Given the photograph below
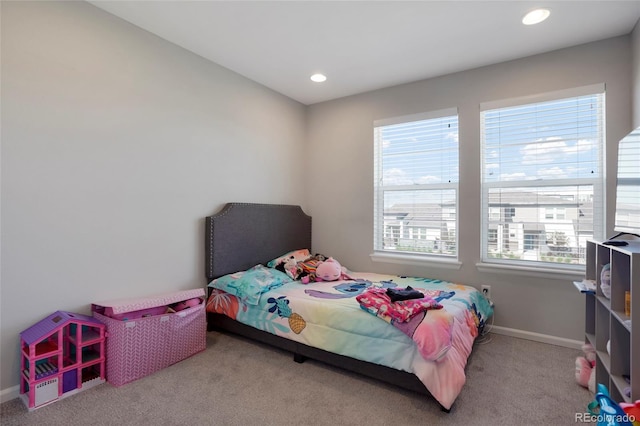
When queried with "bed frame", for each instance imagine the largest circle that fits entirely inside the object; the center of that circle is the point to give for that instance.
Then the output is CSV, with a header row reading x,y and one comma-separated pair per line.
x,y
243,235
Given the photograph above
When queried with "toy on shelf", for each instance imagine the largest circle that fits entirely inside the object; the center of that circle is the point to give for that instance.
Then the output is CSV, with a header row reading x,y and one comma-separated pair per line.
x,y
60,355
585,371
605,281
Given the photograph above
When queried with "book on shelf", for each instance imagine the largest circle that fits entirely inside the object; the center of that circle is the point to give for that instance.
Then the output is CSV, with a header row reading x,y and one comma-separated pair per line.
x,y
586,286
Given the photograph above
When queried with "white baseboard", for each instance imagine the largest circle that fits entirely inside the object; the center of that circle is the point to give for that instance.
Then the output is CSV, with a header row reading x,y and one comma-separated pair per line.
x,y
9,394
537,337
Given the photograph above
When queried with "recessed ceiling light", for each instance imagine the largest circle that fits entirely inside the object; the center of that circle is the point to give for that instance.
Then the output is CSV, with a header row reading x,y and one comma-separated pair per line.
x,y
536,16
318,78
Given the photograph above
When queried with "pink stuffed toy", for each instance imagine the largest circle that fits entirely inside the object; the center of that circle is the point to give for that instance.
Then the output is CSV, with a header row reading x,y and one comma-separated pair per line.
x,y
329,270
185,304
585,371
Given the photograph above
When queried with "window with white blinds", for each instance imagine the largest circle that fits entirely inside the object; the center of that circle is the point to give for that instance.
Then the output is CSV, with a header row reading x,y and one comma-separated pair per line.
x,y
416,184
542,177
627,219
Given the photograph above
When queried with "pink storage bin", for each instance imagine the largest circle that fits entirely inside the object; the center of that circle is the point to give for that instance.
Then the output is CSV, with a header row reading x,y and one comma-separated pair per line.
x,y
138,347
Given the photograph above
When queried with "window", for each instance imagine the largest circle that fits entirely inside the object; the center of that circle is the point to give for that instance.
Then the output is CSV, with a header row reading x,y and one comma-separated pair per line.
x,y
530,240
542,170
416,184
627,218
554,213
419,233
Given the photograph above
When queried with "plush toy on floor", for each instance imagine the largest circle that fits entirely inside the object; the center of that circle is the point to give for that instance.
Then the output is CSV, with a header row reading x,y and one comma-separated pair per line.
x,y
585,368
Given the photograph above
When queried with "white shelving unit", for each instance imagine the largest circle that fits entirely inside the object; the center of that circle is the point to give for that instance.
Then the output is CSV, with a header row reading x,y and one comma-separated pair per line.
x,y
606,319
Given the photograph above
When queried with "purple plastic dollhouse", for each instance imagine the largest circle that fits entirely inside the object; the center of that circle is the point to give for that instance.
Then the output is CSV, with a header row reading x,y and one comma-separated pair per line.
x,y
61,355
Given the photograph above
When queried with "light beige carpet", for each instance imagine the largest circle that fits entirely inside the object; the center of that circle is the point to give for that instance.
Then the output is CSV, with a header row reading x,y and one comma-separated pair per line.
x,y
239,382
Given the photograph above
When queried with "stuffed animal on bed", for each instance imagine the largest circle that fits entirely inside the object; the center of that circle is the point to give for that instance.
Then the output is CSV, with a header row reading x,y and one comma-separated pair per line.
x,y
585,371
329,270
289,266
308,268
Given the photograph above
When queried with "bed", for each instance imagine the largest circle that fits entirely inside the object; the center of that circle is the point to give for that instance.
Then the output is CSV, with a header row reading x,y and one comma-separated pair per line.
x,y
423,347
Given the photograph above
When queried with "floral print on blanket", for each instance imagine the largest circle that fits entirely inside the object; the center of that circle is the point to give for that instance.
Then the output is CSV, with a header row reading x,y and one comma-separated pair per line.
x,y
223,303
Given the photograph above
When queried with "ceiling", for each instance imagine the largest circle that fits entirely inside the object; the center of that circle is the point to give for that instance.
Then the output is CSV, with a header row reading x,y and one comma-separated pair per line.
x,y
367,45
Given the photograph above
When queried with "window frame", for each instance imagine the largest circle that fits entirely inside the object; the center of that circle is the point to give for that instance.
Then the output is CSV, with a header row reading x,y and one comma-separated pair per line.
x,y
379,231
597,183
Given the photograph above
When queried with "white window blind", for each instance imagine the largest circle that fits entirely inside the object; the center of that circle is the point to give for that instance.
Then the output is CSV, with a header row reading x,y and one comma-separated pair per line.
x,y
542,178
627,217
416,184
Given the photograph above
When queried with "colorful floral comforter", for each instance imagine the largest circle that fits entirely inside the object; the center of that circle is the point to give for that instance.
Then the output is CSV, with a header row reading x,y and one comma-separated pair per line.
x,y
434,345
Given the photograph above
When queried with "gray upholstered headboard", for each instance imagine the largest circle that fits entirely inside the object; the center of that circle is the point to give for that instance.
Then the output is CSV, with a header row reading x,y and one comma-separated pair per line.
x,y
243,235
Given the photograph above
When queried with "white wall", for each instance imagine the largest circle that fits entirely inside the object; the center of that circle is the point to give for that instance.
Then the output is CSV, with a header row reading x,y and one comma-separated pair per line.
x,y
340,138
115,146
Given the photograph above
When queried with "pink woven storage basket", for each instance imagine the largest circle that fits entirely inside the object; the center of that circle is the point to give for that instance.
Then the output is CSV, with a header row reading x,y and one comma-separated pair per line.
x,y
137,348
